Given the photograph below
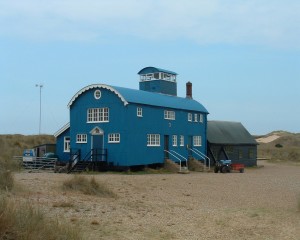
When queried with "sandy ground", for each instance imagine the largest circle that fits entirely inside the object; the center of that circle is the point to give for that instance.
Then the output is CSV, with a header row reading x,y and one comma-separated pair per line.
x,y
261,203
267,139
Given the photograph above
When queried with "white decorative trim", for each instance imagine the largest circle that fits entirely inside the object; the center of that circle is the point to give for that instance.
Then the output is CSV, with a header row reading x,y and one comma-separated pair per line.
x,y
60,131
96,131
97,86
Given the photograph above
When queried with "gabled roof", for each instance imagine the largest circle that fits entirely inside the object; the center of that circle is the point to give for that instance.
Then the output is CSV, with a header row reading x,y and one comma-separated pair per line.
x,y
97,86
155,70
230,133
62,130
128,95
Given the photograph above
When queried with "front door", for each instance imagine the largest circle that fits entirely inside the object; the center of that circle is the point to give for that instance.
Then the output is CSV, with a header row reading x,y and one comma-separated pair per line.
x,y
190,145
97,147
166,146
97,144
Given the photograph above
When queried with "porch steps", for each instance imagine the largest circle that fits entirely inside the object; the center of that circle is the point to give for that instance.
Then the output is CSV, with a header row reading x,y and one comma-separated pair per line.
x,y
197,166
79,167
172,166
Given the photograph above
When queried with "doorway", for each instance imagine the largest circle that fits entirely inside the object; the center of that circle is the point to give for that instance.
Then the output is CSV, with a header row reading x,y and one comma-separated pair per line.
x,y
97,144
166,146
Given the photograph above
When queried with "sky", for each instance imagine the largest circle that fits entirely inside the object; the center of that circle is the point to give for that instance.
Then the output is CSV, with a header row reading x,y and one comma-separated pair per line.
x,y
242,56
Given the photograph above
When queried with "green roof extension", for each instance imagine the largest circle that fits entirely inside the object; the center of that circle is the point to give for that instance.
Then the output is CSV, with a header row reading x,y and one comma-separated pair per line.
x,y
228,133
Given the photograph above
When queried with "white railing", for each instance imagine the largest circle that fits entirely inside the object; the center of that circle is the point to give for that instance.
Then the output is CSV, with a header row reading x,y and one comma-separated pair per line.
x,y
176,158
186,161
202,155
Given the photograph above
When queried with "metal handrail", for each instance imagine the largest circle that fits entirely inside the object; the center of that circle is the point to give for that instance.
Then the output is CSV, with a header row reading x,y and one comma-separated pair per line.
x,y
181,157
176,158
201,155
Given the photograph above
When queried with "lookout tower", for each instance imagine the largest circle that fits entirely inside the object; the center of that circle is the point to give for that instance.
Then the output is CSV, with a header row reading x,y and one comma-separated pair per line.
x,y
158,80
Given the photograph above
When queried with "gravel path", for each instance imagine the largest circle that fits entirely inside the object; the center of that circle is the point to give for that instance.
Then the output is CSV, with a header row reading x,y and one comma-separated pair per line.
x,y
261,203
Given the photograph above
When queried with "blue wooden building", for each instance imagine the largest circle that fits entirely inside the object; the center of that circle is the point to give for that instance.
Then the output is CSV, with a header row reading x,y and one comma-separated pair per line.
x,y
121,127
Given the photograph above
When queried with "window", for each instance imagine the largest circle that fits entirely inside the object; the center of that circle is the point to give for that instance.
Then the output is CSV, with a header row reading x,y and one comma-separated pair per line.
x,y
196,117
190,117
229,149
181,140
197,141
67,144
174,140
114,137
153,140
240,154
251,153
201,118
97,115
97,94
81,138
139,111
169,115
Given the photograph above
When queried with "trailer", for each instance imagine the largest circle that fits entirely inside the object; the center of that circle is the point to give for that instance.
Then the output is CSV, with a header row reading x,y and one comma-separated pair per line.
x,y
237,167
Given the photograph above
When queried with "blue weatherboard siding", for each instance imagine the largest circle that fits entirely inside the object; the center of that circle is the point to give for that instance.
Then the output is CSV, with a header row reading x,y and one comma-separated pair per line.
x,y
122,103
62,155
160,86
133,149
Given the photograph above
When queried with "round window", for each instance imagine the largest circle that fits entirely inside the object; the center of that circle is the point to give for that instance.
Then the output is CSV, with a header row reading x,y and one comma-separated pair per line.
x,y
97,94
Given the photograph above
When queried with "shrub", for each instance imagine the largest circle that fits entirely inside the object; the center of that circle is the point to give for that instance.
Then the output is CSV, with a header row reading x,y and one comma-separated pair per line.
x,y
89,187
6,180
278,145
23,221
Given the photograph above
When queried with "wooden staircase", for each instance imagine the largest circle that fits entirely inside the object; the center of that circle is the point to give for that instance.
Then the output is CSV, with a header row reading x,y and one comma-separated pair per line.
x,y
79,166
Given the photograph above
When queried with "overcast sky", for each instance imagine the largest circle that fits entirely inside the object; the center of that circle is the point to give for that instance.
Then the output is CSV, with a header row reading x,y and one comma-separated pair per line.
x,y
242,56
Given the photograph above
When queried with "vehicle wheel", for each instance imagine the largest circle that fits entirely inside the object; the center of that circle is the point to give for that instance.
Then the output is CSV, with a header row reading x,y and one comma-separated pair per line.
x,y
224,169
216,170
242,170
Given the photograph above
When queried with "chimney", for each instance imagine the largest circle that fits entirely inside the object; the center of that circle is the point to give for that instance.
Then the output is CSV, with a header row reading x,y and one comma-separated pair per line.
x,y
189,90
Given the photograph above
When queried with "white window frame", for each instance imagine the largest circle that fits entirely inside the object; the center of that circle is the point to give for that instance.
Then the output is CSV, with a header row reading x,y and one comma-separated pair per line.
x,y
81,138
174,140
169,115
181,140
67,141
195,117
139,112
95,115
197,141
97,94
201,117
153,140
190,117
114,138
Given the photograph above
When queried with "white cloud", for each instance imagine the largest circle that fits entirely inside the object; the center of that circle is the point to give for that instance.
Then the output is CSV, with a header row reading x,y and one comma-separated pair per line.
x,y
261,22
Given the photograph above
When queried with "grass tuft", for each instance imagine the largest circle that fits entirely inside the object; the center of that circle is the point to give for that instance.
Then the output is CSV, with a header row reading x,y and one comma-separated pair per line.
x,y
6,180
63,205
298,202
88,187
23,221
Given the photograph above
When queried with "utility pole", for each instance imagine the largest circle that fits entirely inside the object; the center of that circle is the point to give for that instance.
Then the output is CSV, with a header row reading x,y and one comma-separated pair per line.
x,y
40,122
